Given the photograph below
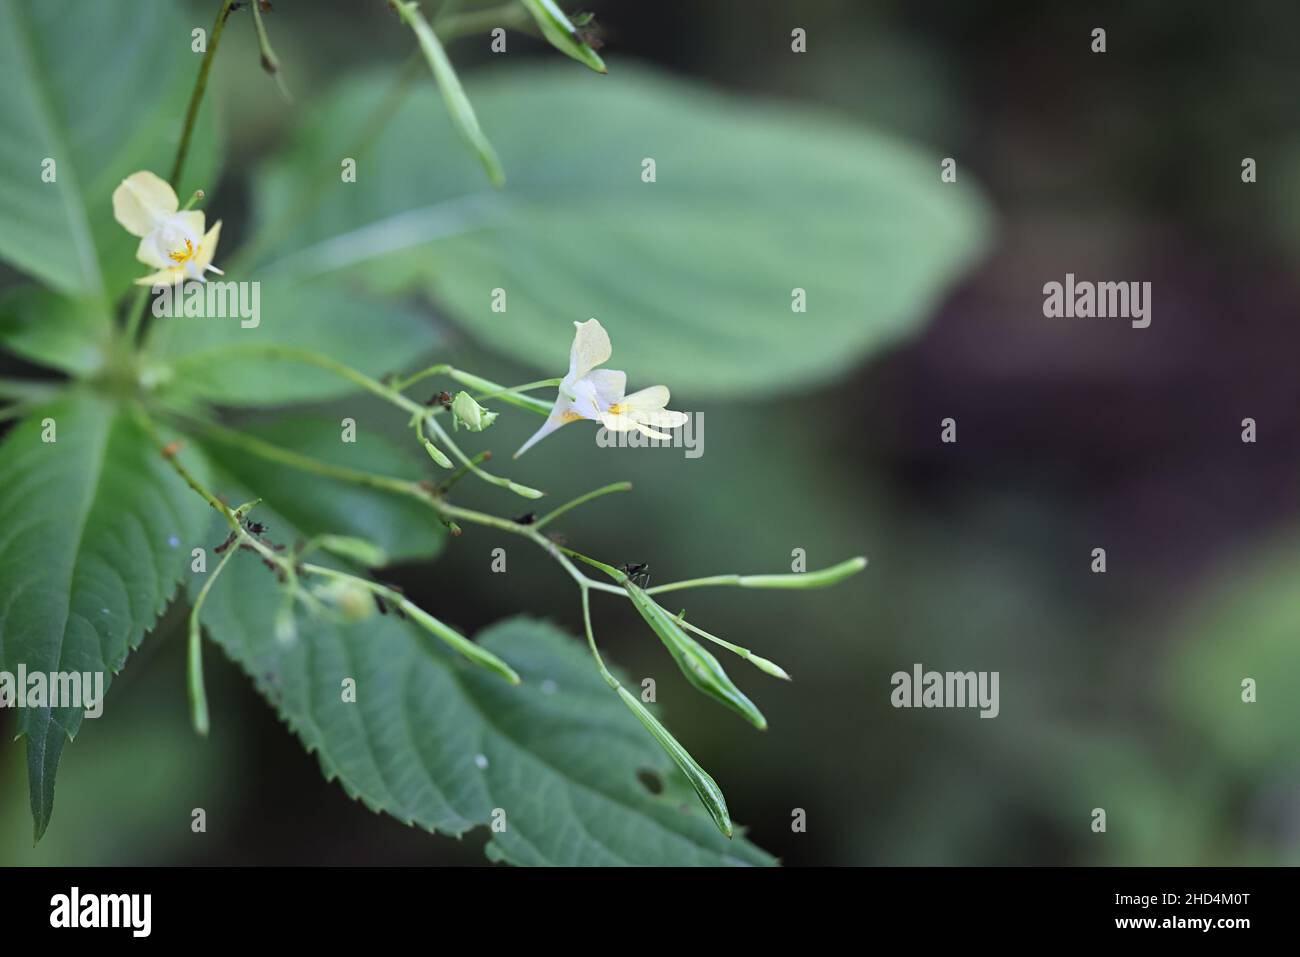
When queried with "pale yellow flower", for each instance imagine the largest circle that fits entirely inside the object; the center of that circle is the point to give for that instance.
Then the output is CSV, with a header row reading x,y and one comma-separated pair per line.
x,y
172,240
598,394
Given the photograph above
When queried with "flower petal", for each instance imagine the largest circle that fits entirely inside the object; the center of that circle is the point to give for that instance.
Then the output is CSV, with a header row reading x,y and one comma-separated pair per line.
x,y
655,397
616,422
164,277
208,248
610,384
590,348
153,249
192,269
562,413
652,433
142,200
663,418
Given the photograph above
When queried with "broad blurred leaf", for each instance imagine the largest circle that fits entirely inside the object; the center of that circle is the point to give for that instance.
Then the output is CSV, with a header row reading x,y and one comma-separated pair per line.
x,y
402,527
375,337
101,89
436,742
692,274
1246,628
51,329
96,532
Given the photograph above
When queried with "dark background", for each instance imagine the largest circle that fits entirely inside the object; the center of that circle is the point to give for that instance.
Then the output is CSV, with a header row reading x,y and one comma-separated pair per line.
x,y
1118,691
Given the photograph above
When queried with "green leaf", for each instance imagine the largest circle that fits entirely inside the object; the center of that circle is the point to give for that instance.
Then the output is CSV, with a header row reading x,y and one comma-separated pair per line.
x,y
201,357
316,505
53,330
436,742
99,89
692,274
96,532
1245,627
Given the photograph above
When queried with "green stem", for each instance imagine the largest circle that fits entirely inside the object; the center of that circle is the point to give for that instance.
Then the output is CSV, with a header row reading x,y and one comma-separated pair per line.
x,y
758,661
452,638
497,480
611,571
270,62
135,314
480,21
581,500
322,361
305,463
461,472
487,388
591,641
194,662
200,85
461,644
820,578
449,86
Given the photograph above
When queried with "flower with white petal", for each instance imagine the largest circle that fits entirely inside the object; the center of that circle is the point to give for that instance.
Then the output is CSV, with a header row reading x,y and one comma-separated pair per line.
x,y
641,410
172,239
598,394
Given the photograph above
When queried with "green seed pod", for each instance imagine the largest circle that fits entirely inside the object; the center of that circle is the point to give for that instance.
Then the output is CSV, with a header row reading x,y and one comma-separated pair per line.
x,y
818,579
698,665
562,35
475,653
453,94
704,785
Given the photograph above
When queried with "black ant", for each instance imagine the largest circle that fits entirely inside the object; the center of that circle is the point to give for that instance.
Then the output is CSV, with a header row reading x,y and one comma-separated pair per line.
x,y
587,30
526,519
440,398
383,605
638,573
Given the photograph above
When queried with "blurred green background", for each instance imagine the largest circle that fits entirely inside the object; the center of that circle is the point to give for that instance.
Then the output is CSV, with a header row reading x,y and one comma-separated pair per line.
x,y
1119,691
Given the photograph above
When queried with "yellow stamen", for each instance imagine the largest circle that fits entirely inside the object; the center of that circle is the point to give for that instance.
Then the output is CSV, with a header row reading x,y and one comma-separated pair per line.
x,y
570,416
615,409
181,258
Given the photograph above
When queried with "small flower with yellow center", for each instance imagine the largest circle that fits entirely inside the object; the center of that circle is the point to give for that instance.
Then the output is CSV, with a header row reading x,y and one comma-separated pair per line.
x,y
588,392
172,239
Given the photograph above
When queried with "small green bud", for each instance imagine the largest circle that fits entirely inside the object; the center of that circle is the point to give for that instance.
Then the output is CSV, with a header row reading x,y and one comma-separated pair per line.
x,y
436,454
470,414
350,600
286,629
